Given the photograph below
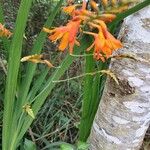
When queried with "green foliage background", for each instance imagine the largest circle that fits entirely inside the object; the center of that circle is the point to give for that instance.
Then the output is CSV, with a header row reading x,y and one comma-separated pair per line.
x,y
59,117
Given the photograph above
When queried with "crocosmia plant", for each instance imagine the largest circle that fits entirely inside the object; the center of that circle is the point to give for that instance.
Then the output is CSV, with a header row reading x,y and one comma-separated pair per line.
x,y
88,34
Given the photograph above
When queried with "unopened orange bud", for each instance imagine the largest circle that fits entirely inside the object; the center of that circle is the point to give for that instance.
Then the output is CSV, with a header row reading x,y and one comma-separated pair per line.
x,y
113,2
88,13
4,32
120,9
94,5
105,2
70,2
127,1
69,9
107,17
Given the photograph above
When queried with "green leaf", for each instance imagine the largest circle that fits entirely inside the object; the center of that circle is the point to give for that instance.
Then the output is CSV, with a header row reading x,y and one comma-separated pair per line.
x,y
87,95
23,96
29,145
37,85
37,48
66,147
13,69
82,146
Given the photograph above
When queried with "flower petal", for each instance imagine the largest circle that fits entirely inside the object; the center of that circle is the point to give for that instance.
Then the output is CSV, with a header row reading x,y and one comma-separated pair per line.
x,y
4,32
69,9
55,36
64,42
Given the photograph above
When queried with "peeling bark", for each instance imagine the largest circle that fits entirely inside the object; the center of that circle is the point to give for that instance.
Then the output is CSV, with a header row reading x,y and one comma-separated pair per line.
x,y
124,112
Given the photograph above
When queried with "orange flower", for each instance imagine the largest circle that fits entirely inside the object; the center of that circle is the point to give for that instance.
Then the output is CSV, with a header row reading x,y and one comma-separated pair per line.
x,y
98,45
104,43
4,32
70,9
80,11
111,41
67,34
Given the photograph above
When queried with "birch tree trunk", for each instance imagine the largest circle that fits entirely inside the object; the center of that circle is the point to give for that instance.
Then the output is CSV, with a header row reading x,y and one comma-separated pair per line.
x,y
124,112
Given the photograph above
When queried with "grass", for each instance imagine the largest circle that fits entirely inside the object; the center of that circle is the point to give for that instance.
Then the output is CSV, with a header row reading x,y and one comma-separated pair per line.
x,y
58,118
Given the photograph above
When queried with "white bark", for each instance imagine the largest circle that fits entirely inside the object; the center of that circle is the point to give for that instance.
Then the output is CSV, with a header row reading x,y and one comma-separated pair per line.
x,y
124,112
